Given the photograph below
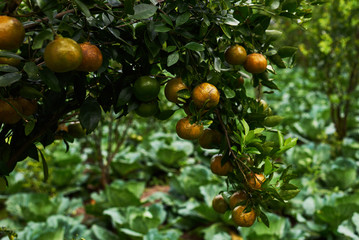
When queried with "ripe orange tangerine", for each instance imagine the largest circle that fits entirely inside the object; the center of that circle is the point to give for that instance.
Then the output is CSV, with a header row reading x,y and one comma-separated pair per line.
x,y
10,61
217,167
205,95
8,114
12,33
236,198
172,87
219,204
255,180
29,107
187,130
91,58
243,219
63,55
255,63
235,55
210,139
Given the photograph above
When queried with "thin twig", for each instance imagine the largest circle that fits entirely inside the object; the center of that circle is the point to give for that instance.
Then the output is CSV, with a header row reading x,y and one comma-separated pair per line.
x,y
230,145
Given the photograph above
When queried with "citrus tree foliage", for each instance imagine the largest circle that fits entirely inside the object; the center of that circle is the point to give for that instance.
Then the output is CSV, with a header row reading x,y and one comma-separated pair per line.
x,y
330,43
160,39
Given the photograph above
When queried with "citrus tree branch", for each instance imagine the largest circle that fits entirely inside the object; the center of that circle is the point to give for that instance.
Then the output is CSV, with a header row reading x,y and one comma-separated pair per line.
x,y
230,145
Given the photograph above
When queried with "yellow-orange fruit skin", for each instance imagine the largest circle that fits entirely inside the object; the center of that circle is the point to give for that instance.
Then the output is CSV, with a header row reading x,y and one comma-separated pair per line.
x,y
243,219
63,55
29,107
210,139
255,181
188,131
12,33
10,61
217,168
172,87
205,94
91,58
219,204
235,55
8,114
255,63
236,198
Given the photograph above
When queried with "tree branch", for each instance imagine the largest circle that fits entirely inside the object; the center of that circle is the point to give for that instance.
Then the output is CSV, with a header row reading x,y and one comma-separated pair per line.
x,y
230,146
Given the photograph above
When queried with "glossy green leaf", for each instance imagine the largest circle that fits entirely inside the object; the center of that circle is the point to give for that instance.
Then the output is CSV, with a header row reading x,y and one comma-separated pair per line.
x,y
267,167
9,78
194,46
230,93
7,68
31,69
172,59
144,11
50,79
182,19
90,114
41,37
83,8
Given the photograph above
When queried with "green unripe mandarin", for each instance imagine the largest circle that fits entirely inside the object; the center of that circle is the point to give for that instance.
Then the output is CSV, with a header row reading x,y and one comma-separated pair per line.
x,y
146,88
147,109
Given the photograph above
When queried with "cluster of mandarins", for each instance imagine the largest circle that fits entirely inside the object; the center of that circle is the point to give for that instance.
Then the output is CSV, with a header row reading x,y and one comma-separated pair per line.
x,y
242,214
12,109
206,96
61,55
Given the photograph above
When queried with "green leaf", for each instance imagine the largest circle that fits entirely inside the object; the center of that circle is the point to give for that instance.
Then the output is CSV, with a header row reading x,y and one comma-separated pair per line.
x,y
29,126
9,78
90,114
277,60
252,150
50,79
273,35
226,31
103,233
194,46
267,167
288,186
164,115
182,19
241,13
269,84
246,126
288,194
83,8
45,168
31,69
144,11
230,93
124,96
10,55
8,68
231,21
172,59
41,37
167,19
280,139
287,51
162,28
129,4
263,217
